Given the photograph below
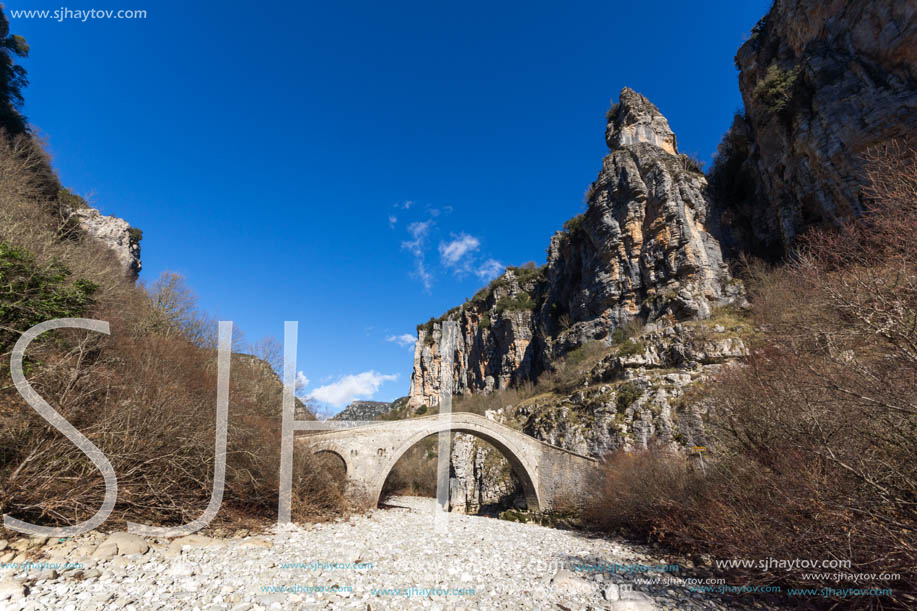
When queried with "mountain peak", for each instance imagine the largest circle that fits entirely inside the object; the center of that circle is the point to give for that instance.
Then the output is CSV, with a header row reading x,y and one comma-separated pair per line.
x,y
635,119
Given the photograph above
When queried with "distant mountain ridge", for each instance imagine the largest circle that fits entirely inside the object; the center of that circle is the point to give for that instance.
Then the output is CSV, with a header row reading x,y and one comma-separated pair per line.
x,y
370,410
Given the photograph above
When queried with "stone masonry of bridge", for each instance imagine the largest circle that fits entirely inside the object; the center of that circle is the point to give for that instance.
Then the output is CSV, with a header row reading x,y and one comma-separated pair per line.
x,y
552,478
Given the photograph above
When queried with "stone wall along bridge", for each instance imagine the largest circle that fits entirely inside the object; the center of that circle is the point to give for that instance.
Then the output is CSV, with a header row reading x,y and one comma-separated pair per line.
x,y
551,477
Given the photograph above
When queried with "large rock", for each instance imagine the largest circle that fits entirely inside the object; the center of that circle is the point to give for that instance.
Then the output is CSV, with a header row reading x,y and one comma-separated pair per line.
x,y
121,544
492,351
821,81
567,582
634,119
636,396
116,234
177,545
643,250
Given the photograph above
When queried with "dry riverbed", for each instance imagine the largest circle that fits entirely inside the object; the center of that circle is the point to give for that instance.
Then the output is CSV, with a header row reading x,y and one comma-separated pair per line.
x,y
389,558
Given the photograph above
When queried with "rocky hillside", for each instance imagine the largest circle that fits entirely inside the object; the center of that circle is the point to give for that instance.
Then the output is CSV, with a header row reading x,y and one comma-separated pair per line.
x,y
643,251
821,81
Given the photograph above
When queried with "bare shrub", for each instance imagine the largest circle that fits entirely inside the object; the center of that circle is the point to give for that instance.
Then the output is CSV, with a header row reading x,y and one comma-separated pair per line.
x,y
814,436
145,395
149,403
415,472
34,218
318,487
636,481
690,163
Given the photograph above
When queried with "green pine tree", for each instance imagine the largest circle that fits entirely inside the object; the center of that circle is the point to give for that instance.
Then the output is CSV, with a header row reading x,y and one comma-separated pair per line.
x,y
12,78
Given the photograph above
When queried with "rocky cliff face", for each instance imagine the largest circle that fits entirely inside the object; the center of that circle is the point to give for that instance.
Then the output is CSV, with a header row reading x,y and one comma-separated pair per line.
x,y
116,234
822,81
480,478
642,251
637,395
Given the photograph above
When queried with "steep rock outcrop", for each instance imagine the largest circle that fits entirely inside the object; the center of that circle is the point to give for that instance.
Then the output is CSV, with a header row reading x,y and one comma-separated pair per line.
x,y
642,250
480,478
494,344
821,81
116,234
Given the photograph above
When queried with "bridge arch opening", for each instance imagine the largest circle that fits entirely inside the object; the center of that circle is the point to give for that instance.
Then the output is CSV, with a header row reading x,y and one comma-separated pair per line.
x,y
424,443
331,460
414,473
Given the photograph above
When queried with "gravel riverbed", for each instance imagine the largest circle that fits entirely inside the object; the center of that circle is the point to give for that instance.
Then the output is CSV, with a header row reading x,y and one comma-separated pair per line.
x,y
387,559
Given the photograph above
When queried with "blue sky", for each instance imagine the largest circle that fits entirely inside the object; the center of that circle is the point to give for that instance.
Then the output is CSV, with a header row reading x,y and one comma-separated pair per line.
x,y
361,166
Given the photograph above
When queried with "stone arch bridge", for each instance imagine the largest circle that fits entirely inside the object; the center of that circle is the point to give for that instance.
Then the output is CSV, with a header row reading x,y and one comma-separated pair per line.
x,y
551,477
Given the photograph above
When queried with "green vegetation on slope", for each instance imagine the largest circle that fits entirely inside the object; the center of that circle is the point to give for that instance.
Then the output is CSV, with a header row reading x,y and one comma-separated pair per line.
x,y
775,91
30,294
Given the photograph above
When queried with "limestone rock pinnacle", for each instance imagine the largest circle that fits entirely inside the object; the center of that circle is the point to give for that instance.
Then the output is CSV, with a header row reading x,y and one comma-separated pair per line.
x,y
635,119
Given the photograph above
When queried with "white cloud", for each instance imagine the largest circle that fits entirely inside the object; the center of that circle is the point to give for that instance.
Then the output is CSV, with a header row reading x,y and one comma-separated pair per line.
x,y
453,252
350,387
406,340
392,219
301,380
419,231
407,205
490,269
300,383
423,275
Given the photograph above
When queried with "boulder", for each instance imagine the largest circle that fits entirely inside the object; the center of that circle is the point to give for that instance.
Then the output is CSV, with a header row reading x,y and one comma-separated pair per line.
x,y
121,544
